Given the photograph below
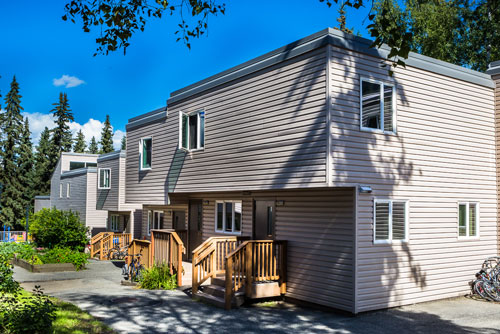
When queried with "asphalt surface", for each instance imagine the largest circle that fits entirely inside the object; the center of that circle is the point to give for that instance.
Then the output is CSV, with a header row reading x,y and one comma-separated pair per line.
x,y
128,310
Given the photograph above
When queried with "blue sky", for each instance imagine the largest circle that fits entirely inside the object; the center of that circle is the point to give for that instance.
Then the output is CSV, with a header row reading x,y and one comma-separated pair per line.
x,y
39,48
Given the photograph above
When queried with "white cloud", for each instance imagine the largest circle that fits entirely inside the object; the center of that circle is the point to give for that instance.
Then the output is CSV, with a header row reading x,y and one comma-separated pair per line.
x,y
67,81
92,128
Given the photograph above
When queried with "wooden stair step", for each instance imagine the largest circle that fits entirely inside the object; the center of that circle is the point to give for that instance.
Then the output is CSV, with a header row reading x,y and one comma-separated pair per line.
x,y
237,301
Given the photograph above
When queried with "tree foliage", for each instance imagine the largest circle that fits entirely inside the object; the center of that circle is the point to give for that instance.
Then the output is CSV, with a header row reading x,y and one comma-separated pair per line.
x,y
124,143
107,137
117,21
80,144
43,172
93,148
62,138
52,227
11,125
26,170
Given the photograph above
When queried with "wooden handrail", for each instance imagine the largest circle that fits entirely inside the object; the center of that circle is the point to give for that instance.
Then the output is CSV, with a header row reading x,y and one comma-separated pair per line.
x,y
255,261
167,247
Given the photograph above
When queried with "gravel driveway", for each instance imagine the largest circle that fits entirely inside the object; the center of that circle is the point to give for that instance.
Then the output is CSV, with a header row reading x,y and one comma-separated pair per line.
x,y
98,291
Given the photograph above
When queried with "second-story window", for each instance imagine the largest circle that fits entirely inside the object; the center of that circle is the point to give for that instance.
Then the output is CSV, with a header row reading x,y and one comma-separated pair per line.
x,y
192,130
377,106
68,190
104,178
60,190
146,153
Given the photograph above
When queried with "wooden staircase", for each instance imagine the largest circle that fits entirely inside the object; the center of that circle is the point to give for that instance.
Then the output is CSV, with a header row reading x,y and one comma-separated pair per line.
x,y
101,243
238,270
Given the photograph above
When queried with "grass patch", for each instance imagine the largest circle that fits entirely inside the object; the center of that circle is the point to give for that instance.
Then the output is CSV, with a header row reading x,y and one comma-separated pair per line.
x,y
70,319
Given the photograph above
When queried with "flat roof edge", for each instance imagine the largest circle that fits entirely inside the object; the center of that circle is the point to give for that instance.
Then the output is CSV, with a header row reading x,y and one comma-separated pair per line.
x,y
333,37
149,117
79,171
112,155
494,68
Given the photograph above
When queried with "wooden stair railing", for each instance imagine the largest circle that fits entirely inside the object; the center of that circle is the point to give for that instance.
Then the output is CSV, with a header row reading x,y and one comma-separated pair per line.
x,y
255,261
209,259
101,243
167,247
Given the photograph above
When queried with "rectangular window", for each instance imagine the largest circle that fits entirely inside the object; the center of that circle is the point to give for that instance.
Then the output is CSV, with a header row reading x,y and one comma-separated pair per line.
x,y
104,178
192,130
145,153
468,219
68,190
60,190
115,223
77,165
377,106
390,221
228,217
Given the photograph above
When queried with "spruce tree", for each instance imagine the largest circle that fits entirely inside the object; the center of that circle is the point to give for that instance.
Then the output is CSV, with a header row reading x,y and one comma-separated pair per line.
x,y
80,144
11,125
124,143
43,173
107,137
93,148
25,166
61,135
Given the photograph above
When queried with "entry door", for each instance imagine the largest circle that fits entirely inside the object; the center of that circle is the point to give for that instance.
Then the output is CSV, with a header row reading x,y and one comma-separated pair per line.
x,y
179,220
264,220
195,225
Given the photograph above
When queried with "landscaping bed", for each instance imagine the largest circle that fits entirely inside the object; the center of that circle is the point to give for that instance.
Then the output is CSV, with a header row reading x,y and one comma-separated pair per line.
x,y
43,268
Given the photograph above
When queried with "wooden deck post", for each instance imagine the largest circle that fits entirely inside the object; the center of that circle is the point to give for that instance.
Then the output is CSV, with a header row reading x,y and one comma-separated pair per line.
x,y
179,261
283,267
229,283
194,288
101,256
248,269
170,253
152,250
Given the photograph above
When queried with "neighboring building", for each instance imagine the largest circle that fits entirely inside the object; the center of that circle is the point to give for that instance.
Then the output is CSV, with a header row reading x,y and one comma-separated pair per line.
x,y
73,187
42,202
384,186
111,194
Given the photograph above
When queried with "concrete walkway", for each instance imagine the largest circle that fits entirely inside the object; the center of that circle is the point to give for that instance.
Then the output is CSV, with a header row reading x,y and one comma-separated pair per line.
x,y
98,291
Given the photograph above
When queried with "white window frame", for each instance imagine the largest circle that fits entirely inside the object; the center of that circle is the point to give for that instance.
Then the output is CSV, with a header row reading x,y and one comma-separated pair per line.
x,y
68,190
232,232
467,205
60,190
394,104
407,225
117,222
198,135
99,178
141,141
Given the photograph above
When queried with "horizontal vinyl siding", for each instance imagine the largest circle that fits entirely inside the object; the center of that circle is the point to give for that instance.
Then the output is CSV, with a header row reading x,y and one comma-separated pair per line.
x,y
78,194
318,225
94,218
443,152
267,130
497,127
167,218
108,199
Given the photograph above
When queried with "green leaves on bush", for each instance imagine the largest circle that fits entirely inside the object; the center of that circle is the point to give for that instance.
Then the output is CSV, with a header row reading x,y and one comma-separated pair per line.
x,y
7,283
65,255
52,227
22,312
158,277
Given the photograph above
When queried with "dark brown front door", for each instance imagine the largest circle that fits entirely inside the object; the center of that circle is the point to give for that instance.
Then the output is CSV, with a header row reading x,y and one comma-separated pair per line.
x,y
179,220
264,220
195,225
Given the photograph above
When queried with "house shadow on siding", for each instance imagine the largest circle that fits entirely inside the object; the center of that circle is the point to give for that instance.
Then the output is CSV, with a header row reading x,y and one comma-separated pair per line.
x,y
358,157
102,195
174,171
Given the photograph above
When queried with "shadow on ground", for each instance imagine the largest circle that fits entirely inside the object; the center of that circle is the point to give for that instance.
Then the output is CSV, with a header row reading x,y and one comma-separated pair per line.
x,y
174,312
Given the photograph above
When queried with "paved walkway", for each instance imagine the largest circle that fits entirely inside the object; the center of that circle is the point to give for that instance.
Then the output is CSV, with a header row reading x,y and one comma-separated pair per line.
x,y
98,291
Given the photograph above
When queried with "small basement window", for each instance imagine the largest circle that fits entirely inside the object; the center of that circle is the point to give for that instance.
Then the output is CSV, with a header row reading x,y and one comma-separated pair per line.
x,y
145,153
104,178
192,130
228,217
378,107
468,214
390,221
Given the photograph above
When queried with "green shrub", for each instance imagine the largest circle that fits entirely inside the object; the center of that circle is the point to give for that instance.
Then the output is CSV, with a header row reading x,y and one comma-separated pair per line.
x,y
65,255
158,277
52,227
23,312
7,283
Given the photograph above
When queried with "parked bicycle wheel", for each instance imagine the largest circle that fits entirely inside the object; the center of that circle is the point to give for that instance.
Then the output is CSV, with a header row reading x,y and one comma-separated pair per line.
x,y
125,270
478,288
492,291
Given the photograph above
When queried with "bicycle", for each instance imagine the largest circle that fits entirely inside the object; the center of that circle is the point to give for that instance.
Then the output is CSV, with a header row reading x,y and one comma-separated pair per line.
x,y
133,271
117,252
